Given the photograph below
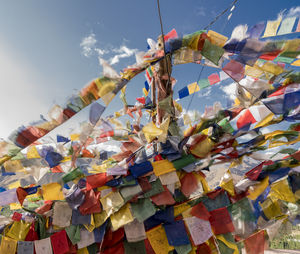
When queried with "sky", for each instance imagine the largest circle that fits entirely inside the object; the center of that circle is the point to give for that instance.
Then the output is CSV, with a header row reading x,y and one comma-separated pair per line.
x,y
49,50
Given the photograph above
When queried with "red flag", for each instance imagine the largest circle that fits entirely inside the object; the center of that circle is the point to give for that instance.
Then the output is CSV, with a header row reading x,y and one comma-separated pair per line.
x,y
200,212
255,244
213,78
163,198
220,221
189,184
97,180
59,242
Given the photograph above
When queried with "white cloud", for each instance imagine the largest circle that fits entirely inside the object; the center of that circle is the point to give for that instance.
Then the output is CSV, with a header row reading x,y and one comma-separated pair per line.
x,y
122,52
88,45
230,90
294,11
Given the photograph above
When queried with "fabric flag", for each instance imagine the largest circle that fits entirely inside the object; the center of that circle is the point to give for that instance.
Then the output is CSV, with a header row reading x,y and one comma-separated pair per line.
x,y
256,30
149,77
43,246
59,242
121,217
135,247
25,247
202,83
96,111
62,214
162,167
235,70
249,116
142,209
212,52
73,233
255,244
271,28
287,25
163,198
200,212
75,197
60,138
52,191
99,232
200,229
220,221
189,184
281,190
213,78
8,245
216,38
7,197
135,231
112,201
158,240
53,159
170,35
176,233
97,180
226,244
78,218
19,230
86,238
32,153
91,203
250,52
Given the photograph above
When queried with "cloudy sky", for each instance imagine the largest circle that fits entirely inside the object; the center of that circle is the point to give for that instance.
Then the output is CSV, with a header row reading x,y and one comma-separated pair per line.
x,y
50,49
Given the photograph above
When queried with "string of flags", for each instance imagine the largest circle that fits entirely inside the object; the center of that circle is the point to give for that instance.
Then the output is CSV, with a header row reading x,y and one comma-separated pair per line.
x,y
184,185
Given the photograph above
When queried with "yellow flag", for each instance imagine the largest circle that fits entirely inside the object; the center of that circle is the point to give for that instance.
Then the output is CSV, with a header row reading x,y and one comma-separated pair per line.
x,y
100,218
32,153
202,148
193,88
112,202
179,209
227,183
83,251
281,190
204,183
162,167
15,206
272,68
258,189
74,137
272,27
52,191
158,240
216,38
19,230
296,63
151,131
271,208
164,126
121,218
8,245
265,121
253,71
13,166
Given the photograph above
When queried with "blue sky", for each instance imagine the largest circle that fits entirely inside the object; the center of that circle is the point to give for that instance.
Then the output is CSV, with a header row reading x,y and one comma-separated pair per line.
x,y
45,56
